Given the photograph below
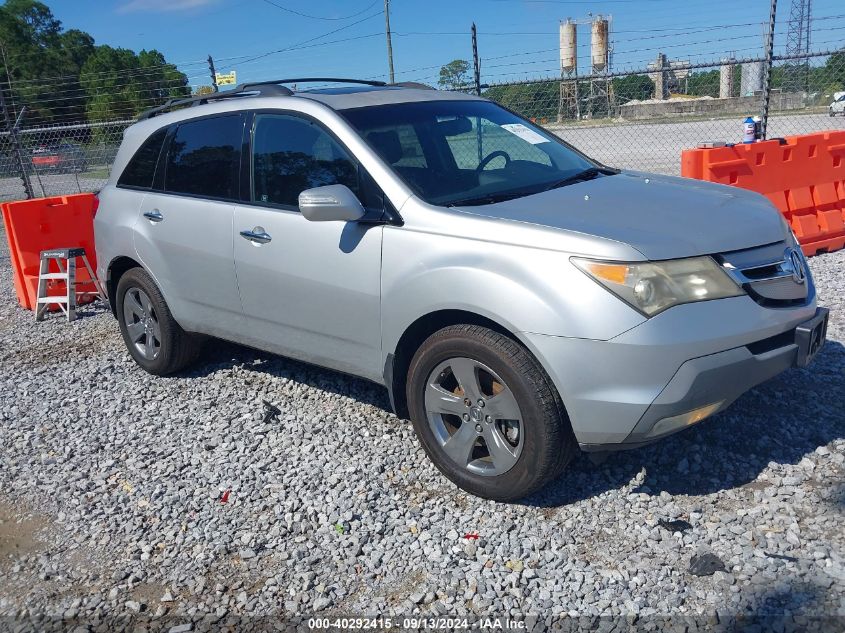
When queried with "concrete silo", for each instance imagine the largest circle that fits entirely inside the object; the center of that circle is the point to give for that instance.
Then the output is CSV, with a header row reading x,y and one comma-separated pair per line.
x,y
751,80
568,48
601,96
568,107
726,78
599,44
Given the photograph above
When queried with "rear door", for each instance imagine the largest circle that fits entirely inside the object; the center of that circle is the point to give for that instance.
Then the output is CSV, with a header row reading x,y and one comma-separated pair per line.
x,y
184,231
309,289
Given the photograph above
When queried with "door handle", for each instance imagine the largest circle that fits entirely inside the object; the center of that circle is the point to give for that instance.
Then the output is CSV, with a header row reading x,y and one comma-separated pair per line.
x,y
154,215
257,235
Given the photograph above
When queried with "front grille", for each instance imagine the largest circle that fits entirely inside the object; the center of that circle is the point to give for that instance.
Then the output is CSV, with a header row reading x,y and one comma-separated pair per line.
x,y
766,274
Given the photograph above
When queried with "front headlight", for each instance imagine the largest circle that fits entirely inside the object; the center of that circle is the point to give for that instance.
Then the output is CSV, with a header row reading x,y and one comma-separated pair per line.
x,y
652,287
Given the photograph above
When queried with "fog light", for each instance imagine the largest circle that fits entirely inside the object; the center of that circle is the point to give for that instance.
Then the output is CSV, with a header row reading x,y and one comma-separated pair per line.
x,y
675,422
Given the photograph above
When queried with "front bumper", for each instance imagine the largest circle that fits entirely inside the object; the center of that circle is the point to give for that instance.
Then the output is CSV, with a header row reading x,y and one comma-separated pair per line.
x,y
619,393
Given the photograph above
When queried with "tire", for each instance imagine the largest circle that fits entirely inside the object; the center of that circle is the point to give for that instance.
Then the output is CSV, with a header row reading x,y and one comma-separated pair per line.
x,y
538,445
140,302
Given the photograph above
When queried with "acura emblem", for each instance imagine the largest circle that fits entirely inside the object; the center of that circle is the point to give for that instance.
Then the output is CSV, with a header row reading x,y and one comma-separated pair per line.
x,y
795,264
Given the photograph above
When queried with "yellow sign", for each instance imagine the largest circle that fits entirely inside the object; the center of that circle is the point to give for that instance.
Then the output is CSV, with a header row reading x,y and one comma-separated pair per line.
x,y
226,79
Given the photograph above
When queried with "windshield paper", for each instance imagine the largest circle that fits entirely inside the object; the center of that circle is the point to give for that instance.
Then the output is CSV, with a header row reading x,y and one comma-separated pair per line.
x,y
525,133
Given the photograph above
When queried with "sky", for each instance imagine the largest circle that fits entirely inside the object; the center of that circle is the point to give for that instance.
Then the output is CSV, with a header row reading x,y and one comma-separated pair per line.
x,y
517,39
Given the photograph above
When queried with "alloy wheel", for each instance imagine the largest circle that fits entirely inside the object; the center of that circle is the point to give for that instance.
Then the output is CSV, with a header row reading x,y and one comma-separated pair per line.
x,y
474,416
142,323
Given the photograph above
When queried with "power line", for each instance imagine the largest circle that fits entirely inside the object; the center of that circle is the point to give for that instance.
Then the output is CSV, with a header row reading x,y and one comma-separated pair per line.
x,y
313,39
317,17
292,49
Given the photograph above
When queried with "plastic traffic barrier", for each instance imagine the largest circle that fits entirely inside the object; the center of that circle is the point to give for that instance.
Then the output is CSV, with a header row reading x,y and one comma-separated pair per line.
x,y
804,176
40,224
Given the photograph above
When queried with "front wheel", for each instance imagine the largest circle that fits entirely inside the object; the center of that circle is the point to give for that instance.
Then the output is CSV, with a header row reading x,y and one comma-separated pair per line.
x,y
486,413
152,336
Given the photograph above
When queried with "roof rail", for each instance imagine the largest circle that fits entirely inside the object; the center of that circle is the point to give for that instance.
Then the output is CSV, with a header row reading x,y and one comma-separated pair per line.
x,y
412,84
308,80
271,87
244,90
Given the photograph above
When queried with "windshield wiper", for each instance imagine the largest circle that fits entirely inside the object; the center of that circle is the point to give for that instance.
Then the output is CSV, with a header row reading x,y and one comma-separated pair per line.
x,y
581,176
489,198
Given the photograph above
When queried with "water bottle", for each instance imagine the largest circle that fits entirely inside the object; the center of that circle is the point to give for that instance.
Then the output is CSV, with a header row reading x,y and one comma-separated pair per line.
x,y
749,130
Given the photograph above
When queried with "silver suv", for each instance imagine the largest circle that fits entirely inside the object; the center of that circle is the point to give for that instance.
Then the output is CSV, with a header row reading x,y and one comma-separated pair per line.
x,y
518,299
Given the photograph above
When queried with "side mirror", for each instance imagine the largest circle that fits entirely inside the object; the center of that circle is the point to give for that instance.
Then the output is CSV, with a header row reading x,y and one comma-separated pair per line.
x,y
330,203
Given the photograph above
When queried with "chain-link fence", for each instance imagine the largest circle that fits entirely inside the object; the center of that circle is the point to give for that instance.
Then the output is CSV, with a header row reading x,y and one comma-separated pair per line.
x,y
59,159
623,120
61,133
637,119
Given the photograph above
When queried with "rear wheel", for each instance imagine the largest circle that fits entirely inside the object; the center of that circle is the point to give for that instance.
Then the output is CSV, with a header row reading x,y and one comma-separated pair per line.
x,y
486,413
152,336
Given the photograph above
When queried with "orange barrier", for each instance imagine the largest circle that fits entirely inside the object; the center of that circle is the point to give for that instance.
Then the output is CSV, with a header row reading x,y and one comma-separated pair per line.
x,y
804,176
40,224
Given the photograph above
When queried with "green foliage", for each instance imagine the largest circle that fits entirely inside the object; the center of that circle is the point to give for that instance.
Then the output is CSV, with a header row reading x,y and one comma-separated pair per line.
x,y
630,87
454,74
835,67
534,101
62,76
120,84
704,84
540,101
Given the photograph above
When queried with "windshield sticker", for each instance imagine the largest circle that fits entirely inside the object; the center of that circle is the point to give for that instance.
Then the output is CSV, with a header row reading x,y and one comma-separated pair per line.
x,y
525,133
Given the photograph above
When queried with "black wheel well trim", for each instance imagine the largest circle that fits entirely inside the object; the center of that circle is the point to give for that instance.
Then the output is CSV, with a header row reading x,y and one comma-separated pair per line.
x,y
396,364
117,267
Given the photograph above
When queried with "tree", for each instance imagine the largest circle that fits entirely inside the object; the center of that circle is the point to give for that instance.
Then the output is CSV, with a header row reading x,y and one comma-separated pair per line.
x,y
537,101
30,48
31,40
704,83
63,77
120,84
630,87
453,74
835,68
163,81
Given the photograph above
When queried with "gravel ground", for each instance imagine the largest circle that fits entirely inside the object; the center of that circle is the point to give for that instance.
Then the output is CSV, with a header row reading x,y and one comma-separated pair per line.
x,y
122,494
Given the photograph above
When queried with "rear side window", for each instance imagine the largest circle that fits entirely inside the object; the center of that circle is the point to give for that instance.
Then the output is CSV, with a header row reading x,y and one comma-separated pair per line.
x,y
142,166
204,157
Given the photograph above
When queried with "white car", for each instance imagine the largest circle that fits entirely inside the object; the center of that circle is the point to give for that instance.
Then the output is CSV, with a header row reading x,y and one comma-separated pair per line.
x,y
838,105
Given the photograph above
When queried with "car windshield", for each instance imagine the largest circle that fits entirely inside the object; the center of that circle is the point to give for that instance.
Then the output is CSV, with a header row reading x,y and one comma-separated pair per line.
x,y
469,152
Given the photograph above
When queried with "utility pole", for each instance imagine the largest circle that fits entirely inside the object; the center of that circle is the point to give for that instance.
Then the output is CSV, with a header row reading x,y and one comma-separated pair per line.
x,y
213,74
475,63
767,70
389,43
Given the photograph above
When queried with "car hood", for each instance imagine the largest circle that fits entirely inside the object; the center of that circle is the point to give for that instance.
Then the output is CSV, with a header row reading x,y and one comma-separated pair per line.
x,y
663,217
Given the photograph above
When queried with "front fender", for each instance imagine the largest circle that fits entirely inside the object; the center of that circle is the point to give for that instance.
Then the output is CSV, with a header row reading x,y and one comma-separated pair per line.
x,y
523,289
